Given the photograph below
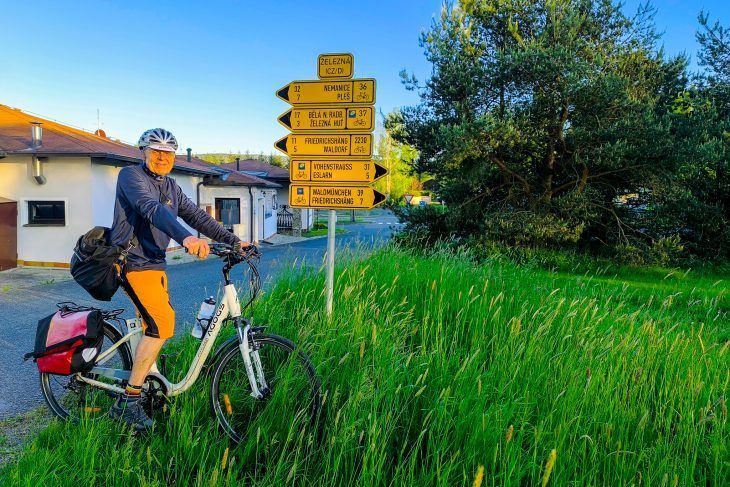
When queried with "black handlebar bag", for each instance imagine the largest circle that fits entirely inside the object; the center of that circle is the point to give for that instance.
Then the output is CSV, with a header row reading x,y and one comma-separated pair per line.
x,y
68,341
96,265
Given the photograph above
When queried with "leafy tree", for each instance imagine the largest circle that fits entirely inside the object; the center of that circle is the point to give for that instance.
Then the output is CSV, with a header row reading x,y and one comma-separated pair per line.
x,y
715,51
222,158
398,159
696,205
544,113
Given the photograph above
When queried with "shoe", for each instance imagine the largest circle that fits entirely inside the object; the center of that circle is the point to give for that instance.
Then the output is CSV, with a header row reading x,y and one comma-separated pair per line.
x,y
131,413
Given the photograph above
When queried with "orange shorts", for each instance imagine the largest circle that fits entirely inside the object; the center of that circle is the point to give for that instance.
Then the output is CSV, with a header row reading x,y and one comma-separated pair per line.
x,y
148,292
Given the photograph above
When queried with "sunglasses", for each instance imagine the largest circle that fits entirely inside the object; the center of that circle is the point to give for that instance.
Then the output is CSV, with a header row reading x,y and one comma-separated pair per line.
x,y
166,154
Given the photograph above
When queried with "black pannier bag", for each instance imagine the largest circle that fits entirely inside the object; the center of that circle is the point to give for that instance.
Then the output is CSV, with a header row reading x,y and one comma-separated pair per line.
x,y
69,340
96,265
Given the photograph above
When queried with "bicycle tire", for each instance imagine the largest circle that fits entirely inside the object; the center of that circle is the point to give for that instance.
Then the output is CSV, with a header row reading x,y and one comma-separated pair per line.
x,y
294,389
71,400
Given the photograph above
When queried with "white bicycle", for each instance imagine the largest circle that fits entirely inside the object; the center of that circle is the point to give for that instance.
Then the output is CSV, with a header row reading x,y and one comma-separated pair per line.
x,y
249,371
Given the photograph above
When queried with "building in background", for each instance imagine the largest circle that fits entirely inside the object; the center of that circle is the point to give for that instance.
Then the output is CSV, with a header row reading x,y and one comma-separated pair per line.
x,y
57,182
280,176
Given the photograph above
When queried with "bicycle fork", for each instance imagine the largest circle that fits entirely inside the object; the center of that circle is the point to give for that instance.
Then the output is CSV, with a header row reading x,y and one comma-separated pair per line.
x,y
252,361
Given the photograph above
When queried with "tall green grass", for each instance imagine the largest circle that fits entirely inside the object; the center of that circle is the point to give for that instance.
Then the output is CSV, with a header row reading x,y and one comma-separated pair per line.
x,y
436,368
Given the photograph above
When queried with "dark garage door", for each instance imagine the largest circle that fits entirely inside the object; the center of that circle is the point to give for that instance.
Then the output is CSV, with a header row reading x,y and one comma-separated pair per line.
x,y
8,234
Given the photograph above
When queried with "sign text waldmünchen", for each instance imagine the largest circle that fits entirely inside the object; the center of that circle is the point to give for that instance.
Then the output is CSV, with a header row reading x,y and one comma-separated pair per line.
x,y
345,197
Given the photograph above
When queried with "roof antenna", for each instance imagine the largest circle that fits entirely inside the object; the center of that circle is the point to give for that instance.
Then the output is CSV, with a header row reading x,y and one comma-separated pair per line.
x,y
99,132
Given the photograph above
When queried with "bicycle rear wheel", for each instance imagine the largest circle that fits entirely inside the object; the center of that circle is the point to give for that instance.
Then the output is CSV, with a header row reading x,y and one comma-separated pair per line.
x,y
71,399
292,396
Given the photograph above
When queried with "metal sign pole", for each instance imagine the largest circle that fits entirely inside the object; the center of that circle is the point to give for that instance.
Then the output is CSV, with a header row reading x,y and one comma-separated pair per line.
x,y
331,223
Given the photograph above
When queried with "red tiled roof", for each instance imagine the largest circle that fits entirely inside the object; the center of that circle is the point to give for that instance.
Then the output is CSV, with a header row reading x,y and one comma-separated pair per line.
x,y
59,139
236,178
254,165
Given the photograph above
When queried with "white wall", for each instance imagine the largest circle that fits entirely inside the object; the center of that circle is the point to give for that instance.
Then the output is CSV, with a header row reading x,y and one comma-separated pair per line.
x,y
307,218
188,185
266,225
282,195
88,191
68,179
103,194
208,194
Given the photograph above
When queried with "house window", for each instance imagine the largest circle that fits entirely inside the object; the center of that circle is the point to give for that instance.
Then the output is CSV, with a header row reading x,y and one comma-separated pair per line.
x,y
228,211
47,213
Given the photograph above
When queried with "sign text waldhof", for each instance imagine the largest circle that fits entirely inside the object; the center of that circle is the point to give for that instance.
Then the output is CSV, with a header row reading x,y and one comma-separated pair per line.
x,y
354,119
335,65
347,197
335,171
356,91
356,146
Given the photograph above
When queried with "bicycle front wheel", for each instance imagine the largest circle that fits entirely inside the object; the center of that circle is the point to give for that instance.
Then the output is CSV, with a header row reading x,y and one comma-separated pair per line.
x,y
71,399
292,395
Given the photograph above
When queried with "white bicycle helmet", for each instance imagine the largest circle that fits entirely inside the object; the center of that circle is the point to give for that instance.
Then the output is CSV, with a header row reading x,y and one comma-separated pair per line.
x,y
159,139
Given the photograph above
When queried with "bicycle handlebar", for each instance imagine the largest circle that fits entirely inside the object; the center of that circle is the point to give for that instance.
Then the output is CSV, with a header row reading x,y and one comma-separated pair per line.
x,y
223,249
234,255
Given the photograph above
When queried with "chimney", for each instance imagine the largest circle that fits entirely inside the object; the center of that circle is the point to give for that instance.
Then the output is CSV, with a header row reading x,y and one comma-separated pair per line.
x,y
36,135
190,151
38,169
238,163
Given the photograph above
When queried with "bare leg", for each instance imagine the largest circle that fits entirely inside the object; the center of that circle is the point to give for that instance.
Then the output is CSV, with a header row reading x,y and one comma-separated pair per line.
x,y
147,352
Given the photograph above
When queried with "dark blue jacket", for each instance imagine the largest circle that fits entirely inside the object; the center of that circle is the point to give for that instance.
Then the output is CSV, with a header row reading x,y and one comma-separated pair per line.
x,y
147,206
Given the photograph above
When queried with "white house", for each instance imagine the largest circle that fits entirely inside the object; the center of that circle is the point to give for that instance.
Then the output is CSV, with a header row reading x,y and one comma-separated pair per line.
x,y
57,182
274,174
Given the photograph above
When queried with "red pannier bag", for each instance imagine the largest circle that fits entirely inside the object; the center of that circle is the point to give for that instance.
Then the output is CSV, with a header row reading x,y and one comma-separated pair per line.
x,y
68,341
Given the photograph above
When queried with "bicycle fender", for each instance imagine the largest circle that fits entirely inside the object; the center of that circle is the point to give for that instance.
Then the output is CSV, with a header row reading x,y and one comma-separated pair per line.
x,y
218,354
223,348
117,333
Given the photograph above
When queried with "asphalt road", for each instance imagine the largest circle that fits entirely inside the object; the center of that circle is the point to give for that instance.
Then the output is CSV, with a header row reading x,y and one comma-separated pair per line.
x,y
190,283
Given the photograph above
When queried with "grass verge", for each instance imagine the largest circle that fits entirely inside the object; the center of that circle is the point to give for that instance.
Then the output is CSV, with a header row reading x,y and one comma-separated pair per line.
x,y
437,370
322,231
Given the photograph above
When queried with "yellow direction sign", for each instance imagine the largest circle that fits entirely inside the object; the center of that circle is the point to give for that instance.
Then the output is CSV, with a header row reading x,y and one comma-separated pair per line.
x,y
355,119
358,146
335,65
336,171
356,91
346,197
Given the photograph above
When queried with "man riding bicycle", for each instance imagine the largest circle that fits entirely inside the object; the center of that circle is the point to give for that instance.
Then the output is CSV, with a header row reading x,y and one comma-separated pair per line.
x,y
147,206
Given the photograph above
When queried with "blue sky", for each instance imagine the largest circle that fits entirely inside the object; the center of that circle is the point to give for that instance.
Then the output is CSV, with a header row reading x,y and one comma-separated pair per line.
x,y
208,71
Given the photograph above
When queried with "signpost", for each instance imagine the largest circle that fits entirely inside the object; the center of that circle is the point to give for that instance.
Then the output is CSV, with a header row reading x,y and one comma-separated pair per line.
x,y
342,197
335,171
352,119
335,65
327,145
331,145
329,92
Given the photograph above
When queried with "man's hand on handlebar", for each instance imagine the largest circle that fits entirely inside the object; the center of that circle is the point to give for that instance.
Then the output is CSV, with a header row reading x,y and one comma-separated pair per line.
x,y
246,248
196,246
241,249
